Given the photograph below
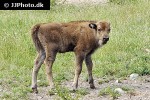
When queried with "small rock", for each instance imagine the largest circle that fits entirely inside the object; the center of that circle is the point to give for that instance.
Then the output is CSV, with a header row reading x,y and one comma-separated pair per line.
x,y
119,90
117,81
134,76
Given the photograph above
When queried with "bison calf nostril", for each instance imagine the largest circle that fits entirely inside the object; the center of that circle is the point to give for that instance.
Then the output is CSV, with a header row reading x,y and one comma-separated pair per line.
x,y
105,39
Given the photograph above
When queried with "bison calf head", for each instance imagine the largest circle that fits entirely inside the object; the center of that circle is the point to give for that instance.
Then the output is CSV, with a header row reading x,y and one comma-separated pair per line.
x,y
102,30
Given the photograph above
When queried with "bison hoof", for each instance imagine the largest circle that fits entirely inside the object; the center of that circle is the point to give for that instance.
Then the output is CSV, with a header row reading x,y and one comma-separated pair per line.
x,y
34,90
92,86
74,89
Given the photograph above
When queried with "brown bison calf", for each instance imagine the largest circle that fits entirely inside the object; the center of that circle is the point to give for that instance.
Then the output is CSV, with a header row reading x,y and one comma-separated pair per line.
x,y
81,37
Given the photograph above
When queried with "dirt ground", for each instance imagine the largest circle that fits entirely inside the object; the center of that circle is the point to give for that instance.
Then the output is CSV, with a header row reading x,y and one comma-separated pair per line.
x,y
140,86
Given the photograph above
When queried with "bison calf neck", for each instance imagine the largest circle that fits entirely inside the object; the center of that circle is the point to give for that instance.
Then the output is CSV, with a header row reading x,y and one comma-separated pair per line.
x,y
81,37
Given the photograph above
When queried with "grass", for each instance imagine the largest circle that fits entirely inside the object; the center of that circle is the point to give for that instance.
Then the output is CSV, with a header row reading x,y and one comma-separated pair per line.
x,y
105,80
110,91
66,94
124,53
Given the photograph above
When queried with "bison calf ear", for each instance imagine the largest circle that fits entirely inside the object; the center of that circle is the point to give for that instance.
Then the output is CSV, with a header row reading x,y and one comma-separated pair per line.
x,y
92,25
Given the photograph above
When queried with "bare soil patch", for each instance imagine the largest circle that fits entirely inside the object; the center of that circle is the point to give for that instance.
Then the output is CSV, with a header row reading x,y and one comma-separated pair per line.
x,y
141,87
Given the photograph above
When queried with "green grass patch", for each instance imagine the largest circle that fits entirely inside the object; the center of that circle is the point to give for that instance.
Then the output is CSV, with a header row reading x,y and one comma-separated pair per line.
x,y
109,91
82,91
66,94
105,80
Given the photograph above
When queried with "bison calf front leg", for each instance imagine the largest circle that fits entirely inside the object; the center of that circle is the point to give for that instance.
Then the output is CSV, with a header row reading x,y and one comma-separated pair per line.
x,y
78,69
89,66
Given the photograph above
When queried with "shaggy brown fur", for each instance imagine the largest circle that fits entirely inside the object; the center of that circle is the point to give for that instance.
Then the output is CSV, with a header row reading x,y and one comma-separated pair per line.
x,y
81,37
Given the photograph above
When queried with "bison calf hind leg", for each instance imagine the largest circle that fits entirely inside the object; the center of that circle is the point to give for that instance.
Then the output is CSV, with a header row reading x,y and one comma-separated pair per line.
x,y
37,65
50,58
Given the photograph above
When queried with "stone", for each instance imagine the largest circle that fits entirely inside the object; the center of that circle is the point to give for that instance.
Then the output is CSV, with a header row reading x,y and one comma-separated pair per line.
x,y
119,90
134,76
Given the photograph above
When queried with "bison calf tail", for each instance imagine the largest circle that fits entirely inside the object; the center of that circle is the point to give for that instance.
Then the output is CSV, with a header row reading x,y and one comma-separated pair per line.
x,y
36,41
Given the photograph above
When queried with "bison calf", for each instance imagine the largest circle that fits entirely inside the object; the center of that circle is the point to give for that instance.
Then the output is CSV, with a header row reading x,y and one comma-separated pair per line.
x,y
81,37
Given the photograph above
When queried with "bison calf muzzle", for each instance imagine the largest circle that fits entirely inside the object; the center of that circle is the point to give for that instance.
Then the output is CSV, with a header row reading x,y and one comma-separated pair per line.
x,y
81,37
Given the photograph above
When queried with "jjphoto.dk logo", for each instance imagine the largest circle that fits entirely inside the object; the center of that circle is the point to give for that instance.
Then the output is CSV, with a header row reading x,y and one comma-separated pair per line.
x,y
24,4
6,5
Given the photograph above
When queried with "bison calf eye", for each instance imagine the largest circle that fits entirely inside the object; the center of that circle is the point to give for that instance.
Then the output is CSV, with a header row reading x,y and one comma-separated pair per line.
x,y
109,30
